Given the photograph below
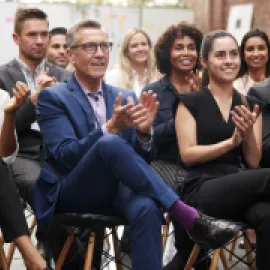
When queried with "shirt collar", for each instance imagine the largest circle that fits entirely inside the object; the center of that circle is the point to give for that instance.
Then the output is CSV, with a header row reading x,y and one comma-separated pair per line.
x,y
87,92
39,70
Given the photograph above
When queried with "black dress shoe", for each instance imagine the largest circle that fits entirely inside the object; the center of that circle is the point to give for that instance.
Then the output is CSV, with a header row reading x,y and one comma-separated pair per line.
x,y
211,233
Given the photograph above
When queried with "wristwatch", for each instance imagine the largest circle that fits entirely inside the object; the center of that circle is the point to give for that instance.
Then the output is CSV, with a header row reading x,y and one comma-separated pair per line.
x,y
144,134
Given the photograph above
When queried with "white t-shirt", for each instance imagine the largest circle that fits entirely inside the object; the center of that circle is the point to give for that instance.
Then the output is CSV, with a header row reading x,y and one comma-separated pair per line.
x,y
4,99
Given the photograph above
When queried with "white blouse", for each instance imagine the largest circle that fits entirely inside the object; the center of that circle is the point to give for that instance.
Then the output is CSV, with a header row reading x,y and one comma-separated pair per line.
x,y
4,99
243,84
112,77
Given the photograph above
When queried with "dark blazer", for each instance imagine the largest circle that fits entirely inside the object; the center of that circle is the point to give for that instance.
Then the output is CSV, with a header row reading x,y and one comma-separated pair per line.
x,y
67,123
165,147
29,140
261,93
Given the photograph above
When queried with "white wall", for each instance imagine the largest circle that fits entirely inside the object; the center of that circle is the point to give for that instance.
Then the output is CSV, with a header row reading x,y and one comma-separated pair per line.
x,y
117,20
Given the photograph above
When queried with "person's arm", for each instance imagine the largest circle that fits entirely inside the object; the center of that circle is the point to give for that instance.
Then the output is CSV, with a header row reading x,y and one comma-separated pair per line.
x,y
192,153
59,136
250,125
252,145
8,140
164,132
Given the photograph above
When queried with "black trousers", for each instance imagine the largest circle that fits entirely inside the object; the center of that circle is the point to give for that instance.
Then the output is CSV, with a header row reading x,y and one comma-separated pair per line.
x,y
265,160
243,196
12,219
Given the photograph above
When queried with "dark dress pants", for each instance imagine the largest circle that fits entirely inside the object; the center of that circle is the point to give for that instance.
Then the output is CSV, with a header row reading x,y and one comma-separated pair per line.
x,y
243,196
112,174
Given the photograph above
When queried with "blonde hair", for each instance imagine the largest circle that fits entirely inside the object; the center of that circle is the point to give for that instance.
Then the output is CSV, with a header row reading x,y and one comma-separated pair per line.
x,y
126,78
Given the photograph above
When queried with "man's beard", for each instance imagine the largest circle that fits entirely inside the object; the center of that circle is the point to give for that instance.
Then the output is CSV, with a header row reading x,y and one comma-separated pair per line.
x,y
32,57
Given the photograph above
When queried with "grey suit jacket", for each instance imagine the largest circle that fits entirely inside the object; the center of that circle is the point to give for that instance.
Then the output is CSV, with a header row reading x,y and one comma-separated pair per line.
x,y
29,140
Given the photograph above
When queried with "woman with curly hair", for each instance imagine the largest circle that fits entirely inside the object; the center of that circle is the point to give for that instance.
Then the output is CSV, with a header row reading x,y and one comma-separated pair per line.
x,y
136,66
177,56
255,62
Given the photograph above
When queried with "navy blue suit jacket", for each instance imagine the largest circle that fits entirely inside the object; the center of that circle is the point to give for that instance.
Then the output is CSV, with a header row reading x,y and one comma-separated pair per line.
x,y
67,124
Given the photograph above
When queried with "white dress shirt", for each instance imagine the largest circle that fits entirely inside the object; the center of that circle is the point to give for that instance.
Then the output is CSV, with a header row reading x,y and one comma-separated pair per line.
x,y
31,80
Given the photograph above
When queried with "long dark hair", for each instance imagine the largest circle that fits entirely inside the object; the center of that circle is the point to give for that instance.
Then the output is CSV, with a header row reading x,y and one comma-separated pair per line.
x,y
253,33
206,47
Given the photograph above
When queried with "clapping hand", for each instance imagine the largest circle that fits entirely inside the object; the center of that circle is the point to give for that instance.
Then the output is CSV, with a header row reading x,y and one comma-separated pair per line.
x,y
194,80
144,113
44,80
21,93
120,118
244,119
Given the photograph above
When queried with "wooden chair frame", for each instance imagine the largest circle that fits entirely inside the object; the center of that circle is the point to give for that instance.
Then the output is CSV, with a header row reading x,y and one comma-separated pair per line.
x,y
90,251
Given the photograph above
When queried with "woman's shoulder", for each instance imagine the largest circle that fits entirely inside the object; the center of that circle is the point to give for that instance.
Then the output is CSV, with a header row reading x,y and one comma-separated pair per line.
x,y
157,85
194,95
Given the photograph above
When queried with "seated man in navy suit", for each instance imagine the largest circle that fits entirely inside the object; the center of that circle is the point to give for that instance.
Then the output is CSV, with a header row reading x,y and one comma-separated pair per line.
x,y
98,142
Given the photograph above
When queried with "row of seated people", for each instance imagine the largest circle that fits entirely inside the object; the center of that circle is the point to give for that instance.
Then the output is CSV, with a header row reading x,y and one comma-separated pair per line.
x,y
215,126
67,149
31,35
183,42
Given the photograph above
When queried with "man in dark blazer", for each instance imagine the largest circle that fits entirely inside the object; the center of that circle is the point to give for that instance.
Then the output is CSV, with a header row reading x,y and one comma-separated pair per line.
x,y
30,67
261,93
97,143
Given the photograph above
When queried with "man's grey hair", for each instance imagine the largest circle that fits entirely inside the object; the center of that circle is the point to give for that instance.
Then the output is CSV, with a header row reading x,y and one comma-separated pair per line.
x,y
77,27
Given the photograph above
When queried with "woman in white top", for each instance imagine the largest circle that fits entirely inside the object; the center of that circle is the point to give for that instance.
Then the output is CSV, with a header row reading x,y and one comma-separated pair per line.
x,y
12,220
255,63
136,67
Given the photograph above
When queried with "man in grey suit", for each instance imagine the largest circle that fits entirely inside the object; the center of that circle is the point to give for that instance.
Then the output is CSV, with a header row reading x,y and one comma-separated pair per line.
x,y
31,35
261,93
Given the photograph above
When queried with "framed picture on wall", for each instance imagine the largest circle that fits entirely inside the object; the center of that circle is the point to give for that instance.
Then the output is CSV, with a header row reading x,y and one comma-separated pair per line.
x,y
240,20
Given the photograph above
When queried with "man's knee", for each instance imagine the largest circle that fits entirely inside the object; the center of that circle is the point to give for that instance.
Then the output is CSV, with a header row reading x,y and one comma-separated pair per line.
x,y
110,143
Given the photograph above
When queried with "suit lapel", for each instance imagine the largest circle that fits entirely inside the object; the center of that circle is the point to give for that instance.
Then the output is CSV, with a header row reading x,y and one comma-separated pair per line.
x,y
15,72
78,94
110,97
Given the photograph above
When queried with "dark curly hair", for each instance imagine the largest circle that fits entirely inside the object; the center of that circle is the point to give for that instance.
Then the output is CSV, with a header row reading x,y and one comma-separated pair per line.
x,y
165,42
253,33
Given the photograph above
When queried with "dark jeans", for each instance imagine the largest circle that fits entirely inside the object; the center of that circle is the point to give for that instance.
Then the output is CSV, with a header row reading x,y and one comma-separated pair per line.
x,y
243,196
12,219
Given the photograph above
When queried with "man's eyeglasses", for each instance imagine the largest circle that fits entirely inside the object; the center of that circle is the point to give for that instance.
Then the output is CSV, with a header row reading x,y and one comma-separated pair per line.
x,y
91,47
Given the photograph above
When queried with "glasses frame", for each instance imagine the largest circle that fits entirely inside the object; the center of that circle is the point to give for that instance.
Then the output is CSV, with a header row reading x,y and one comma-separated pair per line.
x,y
83,46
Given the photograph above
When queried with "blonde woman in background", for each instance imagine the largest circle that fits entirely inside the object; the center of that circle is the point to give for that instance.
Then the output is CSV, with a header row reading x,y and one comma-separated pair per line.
x,y
255,63
136,67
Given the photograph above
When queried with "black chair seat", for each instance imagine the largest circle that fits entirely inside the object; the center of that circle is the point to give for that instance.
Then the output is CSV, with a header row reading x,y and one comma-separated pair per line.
x,y
90,220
